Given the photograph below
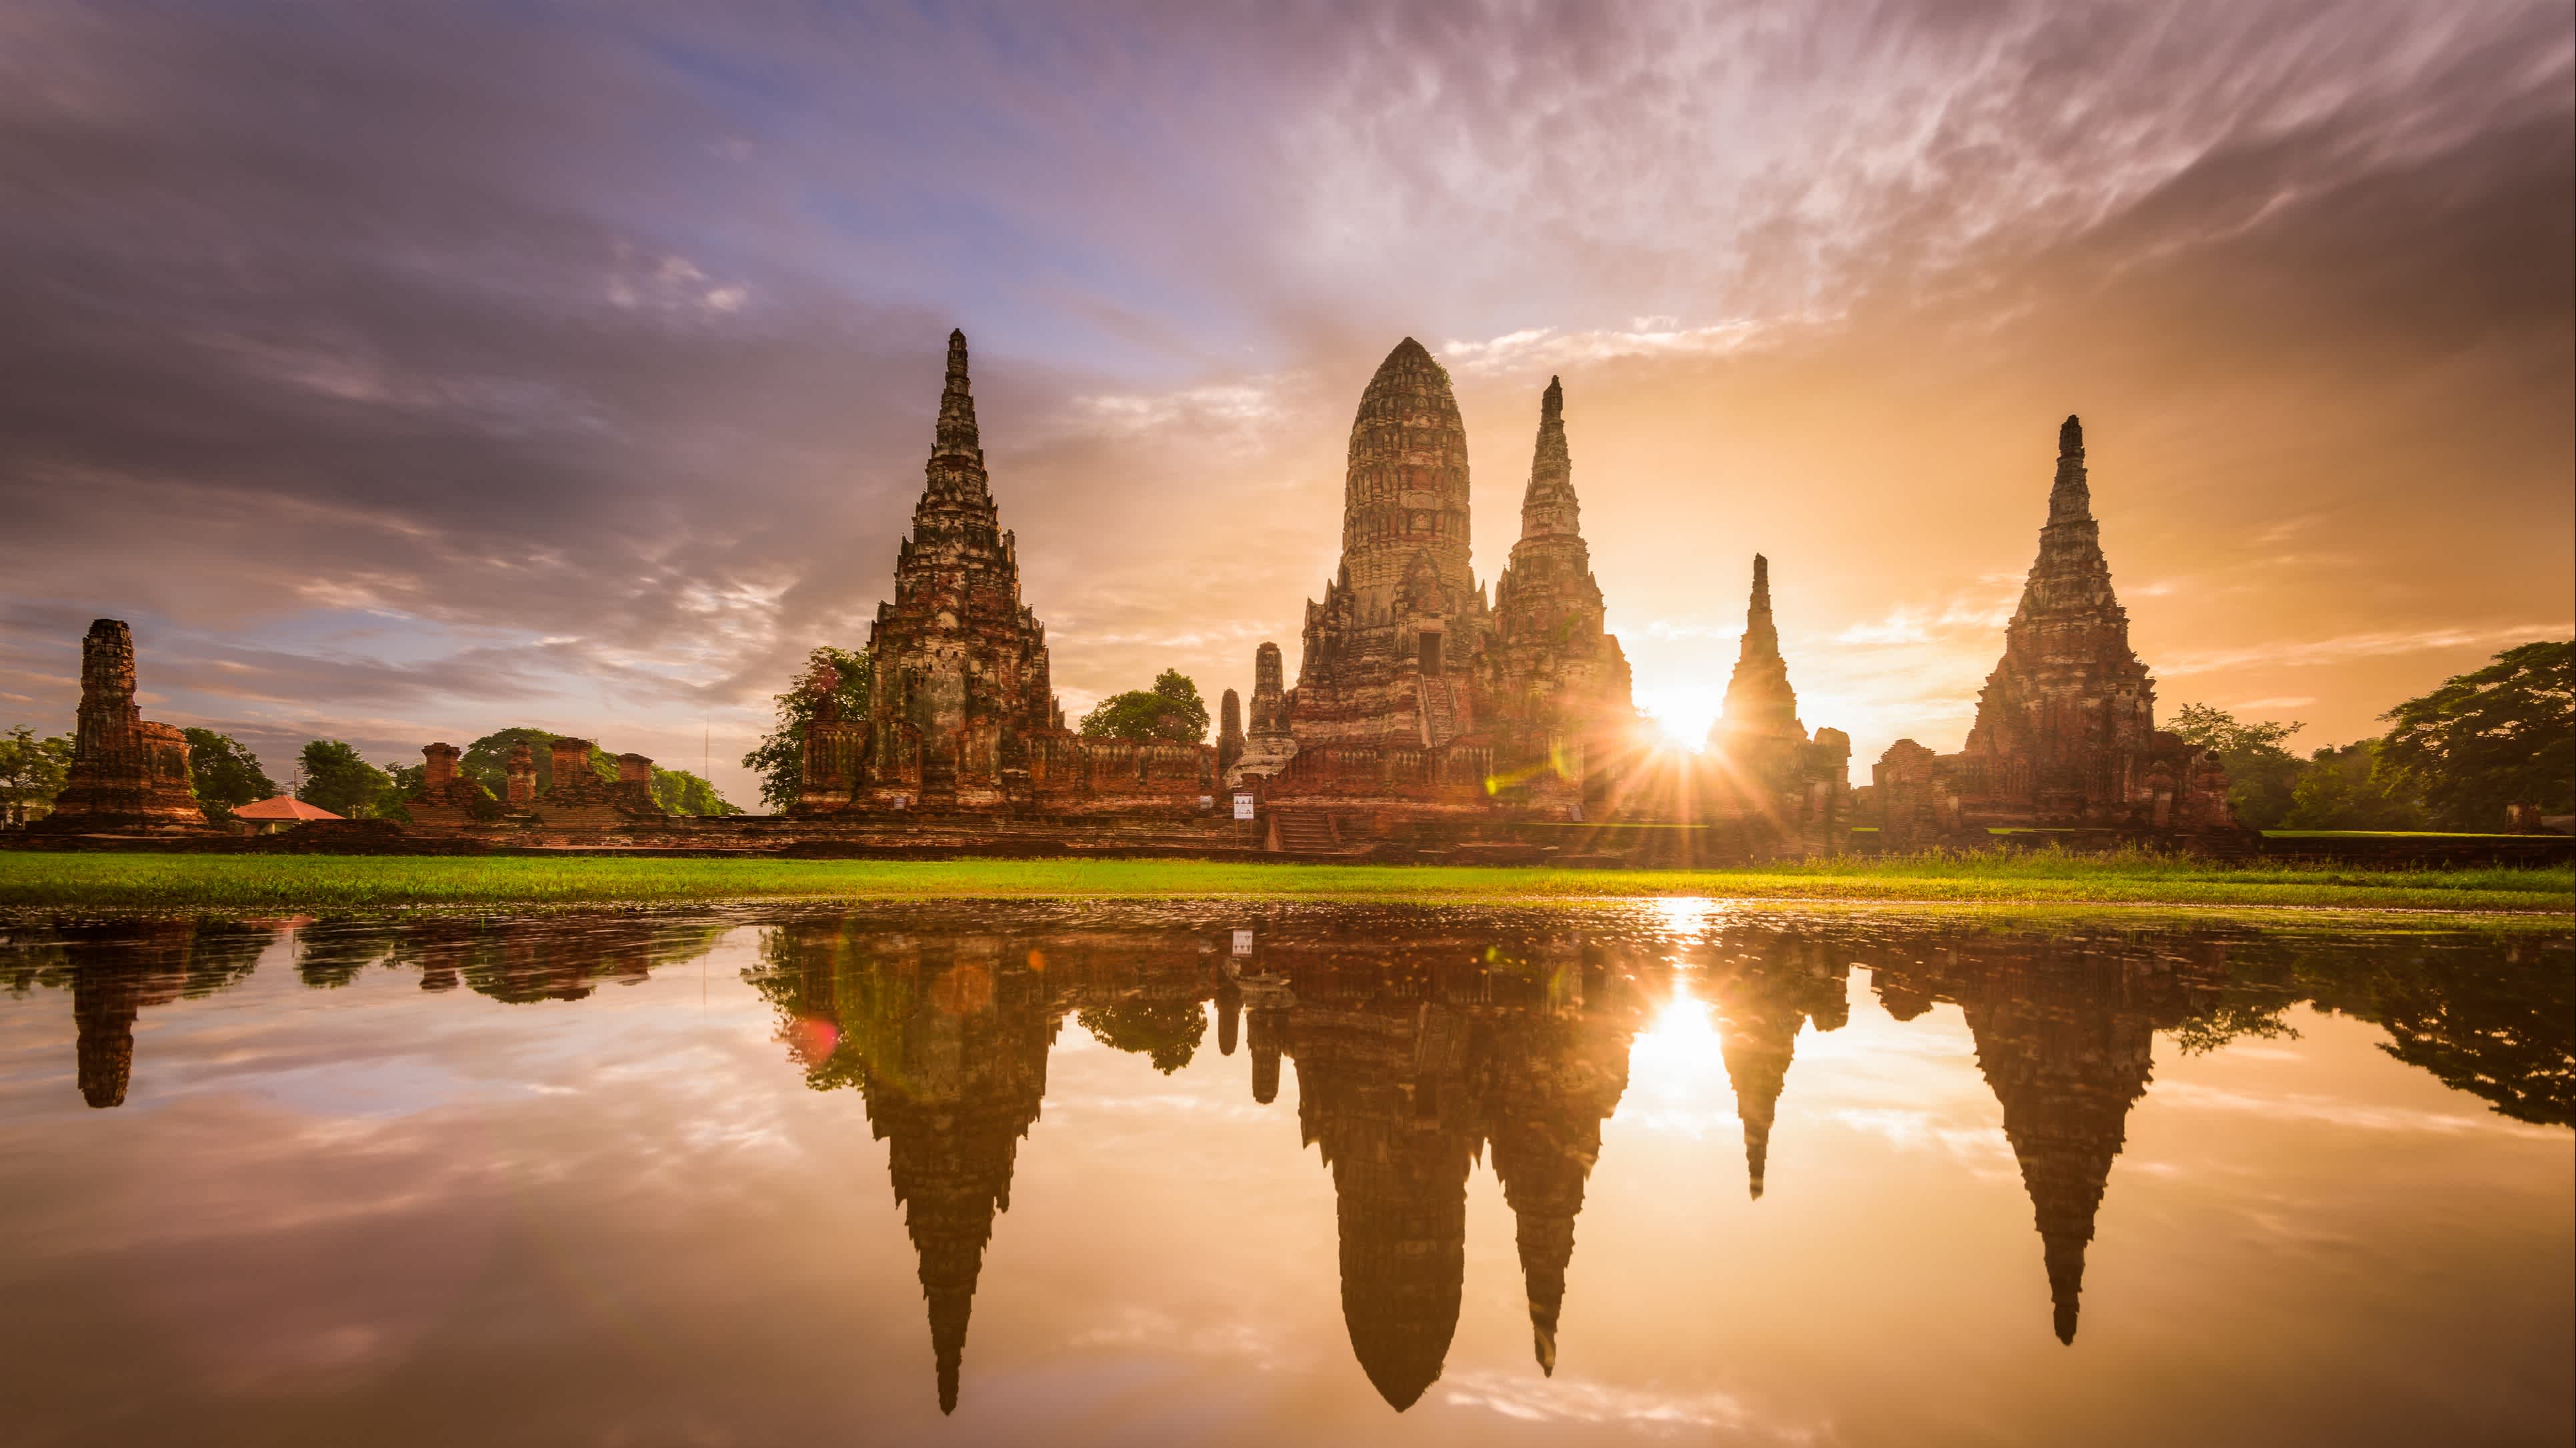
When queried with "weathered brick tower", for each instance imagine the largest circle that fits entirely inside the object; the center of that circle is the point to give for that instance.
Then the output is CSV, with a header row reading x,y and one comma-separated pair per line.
x,y
1390,649
1551,675
960,664
2070,703
127,772
1760,705
2066,733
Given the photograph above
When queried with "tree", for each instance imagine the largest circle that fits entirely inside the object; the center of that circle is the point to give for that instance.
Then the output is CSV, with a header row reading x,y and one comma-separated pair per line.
x,y
834,675
681,792
336,779
2261,775
226,776
1169,713
2342,789
32,772
486,761
2503,735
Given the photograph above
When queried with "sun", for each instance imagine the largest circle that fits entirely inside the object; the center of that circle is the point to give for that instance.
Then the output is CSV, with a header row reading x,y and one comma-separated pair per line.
x,y
1677,734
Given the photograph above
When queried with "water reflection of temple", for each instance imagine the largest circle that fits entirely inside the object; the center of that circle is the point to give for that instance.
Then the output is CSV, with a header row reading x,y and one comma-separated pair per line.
x,y
1766,988
2065,1035
1417,1045
116,970
945,1037
1408,1066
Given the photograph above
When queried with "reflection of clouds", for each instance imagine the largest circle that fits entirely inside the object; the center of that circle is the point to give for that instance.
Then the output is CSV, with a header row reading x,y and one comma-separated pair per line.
x,y
1240,1343
1979,1145
2352,1116
1176,1103
1572,1401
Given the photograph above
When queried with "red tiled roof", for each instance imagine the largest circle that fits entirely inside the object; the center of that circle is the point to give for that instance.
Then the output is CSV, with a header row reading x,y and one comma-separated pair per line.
x,y
284,807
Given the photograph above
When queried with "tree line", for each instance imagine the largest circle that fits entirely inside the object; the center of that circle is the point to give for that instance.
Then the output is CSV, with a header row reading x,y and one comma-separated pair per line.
x,y
329,774
2454,759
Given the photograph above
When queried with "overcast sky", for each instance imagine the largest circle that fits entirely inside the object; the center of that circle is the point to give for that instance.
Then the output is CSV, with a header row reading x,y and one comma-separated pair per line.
x,y
407,371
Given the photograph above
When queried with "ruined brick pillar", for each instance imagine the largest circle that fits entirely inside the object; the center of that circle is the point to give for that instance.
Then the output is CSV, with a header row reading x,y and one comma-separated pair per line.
x,y
1267,744
523,776
126,771
1916,807
571,762
635,783
1229,730
438,765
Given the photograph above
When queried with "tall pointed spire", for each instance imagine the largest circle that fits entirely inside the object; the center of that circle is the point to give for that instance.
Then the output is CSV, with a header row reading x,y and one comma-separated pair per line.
x,y
957,435
954,483
1549,506
1761,633
1759,702
2069,694
2070,499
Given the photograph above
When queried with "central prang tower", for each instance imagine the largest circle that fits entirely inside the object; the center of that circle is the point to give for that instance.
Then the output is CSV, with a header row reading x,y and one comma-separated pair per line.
x,y
1388,650
961,684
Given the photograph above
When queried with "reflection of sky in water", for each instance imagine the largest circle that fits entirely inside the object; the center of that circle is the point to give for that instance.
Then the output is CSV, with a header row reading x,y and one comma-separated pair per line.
x,y
626,1215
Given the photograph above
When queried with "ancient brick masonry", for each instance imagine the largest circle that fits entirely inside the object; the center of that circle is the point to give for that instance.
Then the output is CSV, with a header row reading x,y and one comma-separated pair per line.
x,y
1414,693
578,798
1229,734
961,711
1552,683
1764,756
2065,732
126,771
522,783
447,800
1389,648
1270,742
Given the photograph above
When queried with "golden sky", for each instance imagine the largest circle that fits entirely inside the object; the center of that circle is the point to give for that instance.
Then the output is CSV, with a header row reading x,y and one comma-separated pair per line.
x,y
480,366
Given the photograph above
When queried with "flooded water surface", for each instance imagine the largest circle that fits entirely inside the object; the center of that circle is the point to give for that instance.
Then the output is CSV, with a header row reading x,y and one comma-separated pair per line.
x,y
1366,1175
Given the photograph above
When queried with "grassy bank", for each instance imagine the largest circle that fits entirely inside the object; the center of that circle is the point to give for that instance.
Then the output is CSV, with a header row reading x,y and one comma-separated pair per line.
x,y
157,882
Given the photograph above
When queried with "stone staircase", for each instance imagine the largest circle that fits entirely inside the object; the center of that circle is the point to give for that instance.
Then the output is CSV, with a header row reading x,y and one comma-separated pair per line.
x,y
1299,832
1439,712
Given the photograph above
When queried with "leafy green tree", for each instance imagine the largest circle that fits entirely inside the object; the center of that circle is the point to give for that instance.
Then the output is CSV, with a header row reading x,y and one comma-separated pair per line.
x,y
486,761
2261,775
226,775
336,779
2343,789
32,772
779,758
1169,713
682,792
2503,735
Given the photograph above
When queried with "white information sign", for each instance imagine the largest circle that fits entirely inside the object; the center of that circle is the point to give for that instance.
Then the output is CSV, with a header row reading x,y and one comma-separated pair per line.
x,y
1243,806
1243,942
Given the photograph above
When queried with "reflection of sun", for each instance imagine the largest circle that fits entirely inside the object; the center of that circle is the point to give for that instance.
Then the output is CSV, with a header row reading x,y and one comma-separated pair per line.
x,y
1686,914
1674,1069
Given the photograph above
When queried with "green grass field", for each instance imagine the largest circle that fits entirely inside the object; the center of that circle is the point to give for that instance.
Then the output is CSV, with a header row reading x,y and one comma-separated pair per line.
x,y
159,882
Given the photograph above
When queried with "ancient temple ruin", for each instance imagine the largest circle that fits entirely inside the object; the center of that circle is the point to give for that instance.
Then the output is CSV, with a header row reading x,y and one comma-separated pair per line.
x,y
1268,743
127,772
1389,650
2065,732
447,799
962,716
1761,759
1552,681
1414,694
